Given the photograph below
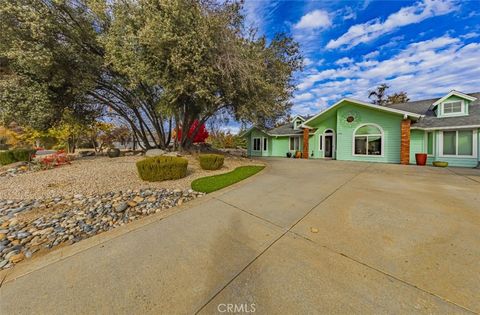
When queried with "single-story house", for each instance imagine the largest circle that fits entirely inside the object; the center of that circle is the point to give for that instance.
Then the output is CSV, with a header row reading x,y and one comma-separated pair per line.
x,y
447,129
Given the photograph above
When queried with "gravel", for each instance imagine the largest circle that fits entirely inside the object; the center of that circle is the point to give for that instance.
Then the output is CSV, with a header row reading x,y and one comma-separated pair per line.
x,y
35,225
99,175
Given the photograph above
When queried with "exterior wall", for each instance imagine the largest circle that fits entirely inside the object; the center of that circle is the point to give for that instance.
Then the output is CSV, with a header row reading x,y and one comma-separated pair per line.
x,y
258,134
314,141
454,161
418,145
280,146
390,123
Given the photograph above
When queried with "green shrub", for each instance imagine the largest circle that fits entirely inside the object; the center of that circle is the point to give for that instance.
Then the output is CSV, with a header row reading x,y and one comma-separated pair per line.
x,y
211,161
160,168
24,155
6,157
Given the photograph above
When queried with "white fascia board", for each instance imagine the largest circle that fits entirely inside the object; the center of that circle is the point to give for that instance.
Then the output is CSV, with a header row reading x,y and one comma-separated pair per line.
x,y
456,93
373,106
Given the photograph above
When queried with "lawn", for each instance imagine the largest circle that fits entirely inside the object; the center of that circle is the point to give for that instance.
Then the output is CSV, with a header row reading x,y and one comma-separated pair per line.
x,y
212,183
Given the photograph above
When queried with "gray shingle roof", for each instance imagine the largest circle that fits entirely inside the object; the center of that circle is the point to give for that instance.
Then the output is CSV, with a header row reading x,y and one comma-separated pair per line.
x,y
424,107
286,129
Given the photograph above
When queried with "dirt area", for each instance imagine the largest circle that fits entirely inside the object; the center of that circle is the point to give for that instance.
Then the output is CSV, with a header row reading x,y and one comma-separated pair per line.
x,y
100,175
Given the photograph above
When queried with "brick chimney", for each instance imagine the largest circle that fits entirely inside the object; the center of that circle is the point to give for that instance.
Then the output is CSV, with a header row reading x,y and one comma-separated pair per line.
x,y
305,143
405,142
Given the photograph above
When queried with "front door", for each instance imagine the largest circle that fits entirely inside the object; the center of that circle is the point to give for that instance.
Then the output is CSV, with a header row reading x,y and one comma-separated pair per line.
x,y
328,146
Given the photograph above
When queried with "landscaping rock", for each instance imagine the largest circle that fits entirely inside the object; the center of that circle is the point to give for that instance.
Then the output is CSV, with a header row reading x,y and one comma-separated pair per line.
x,y
155,152
70,219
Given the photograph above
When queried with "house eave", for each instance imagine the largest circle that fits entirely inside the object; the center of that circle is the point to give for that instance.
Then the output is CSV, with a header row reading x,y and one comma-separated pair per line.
x,y
376,107
456,93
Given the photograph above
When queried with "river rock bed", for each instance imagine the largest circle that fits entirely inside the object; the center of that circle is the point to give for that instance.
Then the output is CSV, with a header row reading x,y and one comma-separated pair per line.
x,y
30,226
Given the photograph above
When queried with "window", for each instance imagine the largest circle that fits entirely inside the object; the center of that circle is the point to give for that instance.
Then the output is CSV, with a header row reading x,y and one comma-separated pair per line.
x,y
453,108
459,143
429,143
294,143
256,144
368,140
320,143
265,144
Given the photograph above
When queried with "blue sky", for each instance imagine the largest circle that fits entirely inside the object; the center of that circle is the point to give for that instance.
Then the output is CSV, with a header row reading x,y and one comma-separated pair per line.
x,y
425,48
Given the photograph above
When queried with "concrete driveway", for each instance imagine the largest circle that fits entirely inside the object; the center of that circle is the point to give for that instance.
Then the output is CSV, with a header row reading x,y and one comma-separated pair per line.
x,y
303,236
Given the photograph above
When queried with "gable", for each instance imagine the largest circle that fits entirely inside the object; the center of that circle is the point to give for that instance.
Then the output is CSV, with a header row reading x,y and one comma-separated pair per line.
x,y
355,103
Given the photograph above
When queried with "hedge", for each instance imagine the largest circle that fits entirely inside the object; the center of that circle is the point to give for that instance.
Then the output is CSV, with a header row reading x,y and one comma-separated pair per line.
x,y
16,155
24,155
160,168
6,157
211,161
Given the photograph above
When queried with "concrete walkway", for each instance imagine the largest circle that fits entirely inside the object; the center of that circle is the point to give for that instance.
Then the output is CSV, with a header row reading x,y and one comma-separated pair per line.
x,y
304,236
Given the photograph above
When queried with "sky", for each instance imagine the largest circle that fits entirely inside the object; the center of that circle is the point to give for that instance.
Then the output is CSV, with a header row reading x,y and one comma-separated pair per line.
x,y
425,48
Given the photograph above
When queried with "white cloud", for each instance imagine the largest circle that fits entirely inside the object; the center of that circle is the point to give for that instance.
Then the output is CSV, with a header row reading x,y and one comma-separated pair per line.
x,y
259,13
307,62
470,35
371,55
314,20
344,60
303,97
423,69
366,32
349,14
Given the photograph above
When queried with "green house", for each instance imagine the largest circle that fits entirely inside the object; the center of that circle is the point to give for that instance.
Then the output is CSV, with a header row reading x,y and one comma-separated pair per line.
x,y
446,129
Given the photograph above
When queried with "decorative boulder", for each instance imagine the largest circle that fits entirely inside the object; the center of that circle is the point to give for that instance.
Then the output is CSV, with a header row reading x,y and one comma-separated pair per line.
x,y
155,152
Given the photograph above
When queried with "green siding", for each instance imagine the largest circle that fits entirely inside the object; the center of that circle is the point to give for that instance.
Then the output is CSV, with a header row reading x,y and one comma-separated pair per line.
x,y
390,123
280,146
258,134
329,122
417,144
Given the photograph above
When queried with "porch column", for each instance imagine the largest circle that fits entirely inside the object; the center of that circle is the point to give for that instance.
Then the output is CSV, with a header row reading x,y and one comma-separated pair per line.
x,y
305,143
405,142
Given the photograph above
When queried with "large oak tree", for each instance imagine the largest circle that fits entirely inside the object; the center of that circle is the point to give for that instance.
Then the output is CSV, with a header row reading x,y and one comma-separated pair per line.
x,y
154,64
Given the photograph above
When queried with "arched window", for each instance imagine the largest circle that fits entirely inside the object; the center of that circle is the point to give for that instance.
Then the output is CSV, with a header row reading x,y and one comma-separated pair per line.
x,y
368,140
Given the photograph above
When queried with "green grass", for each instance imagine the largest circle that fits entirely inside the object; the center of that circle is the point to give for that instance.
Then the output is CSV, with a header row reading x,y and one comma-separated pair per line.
x,y
212,183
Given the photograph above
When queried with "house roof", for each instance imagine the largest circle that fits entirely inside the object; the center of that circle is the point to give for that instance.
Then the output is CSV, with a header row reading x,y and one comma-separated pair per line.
x,y
286,129
431,121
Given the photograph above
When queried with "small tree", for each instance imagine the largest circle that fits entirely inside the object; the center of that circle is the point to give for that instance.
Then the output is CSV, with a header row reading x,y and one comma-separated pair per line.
x,y
397,98
378,94
380,97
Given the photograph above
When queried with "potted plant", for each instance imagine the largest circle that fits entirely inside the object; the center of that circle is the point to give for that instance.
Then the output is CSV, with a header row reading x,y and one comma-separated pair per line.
x,y
113,152
289,154
421,158
440,164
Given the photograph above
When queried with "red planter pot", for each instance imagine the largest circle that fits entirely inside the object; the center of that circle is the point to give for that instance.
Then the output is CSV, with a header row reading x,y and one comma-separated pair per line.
x,y
421,159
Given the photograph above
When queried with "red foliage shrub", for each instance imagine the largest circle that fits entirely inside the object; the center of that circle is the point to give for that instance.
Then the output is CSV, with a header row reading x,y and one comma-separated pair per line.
x,y
201,136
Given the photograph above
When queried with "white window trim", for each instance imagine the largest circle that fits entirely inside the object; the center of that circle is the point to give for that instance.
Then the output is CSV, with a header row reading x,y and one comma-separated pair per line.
x,y
253,144
426,143
264,144
474,146
463,112
382,140
289,147
320,142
